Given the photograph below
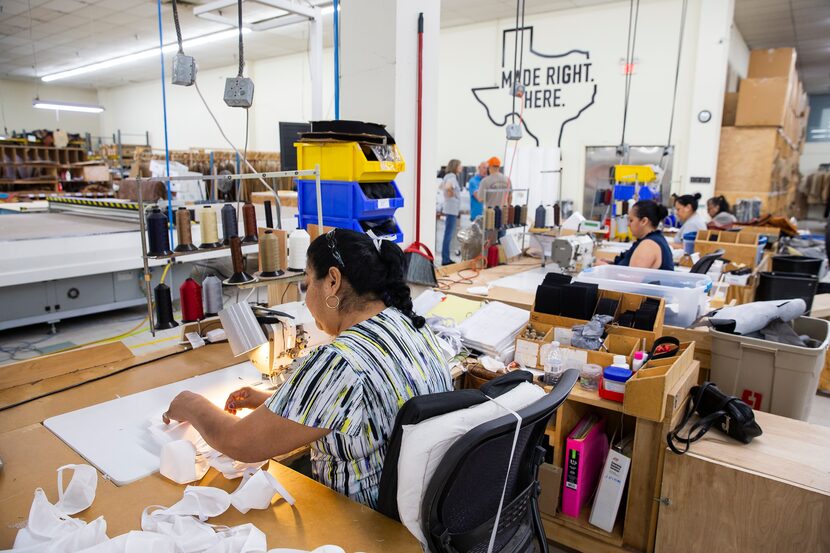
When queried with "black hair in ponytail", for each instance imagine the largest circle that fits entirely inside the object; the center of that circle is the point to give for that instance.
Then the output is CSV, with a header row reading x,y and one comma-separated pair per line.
x,y
721,203
371,272
652,211
689,200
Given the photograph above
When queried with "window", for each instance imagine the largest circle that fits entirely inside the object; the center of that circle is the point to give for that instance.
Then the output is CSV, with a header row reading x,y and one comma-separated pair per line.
x,y
818,125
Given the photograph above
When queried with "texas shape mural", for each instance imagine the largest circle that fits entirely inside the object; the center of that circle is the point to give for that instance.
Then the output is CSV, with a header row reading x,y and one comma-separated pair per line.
x,y
559,87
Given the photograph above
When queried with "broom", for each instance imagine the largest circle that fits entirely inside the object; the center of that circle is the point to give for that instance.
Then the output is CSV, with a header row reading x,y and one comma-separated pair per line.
x,y
419,260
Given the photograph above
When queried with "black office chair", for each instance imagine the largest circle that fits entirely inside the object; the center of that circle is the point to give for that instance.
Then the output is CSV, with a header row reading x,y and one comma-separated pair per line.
x,y
705,263
462,498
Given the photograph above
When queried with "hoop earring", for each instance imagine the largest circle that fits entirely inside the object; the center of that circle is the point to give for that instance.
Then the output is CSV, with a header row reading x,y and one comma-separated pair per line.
x,y
336,305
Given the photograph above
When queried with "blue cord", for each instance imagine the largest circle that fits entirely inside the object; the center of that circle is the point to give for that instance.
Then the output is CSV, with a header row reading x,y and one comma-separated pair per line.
x,y
336,59
164,112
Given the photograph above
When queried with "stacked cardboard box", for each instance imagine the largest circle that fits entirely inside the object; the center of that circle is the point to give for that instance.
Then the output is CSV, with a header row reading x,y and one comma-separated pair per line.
x,y
764,128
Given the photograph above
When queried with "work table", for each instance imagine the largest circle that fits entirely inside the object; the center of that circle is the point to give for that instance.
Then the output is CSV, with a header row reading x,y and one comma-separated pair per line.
x,y
32,454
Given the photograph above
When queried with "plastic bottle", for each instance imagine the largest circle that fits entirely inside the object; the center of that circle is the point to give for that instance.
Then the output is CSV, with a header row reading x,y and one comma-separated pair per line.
x,y
638,360
553,365
620,362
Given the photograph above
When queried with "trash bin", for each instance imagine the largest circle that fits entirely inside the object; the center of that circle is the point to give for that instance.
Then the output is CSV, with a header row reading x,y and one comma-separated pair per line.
x,y
777,378
787,286
797,264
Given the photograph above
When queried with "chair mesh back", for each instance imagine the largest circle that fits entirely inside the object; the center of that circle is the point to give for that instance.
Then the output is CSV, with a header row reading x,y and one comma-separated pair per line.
x,y
473,496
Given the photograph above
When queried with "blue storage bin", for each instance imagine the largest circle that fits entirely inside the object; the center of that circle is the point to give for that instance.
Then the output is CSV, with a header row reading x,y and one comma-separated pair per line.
x,y
346,200
352,224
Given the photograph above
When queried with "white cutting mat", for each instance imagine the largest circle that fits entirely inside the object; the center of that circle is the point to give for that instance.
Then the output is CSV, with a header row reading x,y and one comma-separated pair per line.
x,y
113,436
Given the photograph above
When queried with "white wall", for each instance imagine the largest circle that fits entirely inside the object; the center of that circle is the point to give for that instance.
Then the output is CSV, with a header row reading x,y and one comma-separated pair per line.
x,y
18,114
282,92
814,154
471,57
738,59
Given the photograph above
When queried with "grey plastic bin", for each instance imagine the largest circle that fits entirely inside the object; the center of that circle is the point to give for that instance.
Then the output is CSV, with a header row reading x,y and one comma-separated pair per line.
x,y
769,376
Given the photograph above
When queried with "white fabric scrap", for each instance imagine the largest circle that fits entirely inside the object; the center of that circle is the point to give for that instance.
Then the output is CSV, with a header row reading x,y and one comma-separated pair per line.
x,y
202,502
257,490
136,542
180,462
321,549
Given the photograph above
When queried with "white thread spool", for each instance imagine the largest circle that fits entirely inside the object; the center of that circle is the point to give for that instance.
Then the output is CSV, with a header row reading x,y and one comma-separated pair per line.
x,y
548,215
212,299
298,243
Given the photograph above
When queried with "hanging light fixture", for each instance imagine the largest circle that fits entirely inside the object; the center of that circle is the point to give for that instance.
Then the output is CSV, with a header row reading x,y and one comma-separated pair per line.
x,y
65,106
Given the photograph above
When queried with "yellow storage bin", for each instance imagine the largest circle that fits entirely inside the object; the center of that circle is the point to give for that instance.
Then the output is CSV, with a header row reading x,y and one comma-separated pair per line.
x,y
350,161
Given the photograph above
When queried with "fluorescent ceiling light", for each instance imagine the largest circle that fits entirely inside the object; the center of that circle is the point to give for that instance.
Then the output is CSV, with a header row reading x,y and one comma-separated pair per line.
x,y
66,106
144,54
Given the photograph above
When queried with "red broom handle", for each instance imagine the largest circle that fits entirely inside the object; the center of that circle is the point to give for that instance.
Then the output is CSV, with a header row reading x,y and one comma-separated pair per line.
x,y
418,144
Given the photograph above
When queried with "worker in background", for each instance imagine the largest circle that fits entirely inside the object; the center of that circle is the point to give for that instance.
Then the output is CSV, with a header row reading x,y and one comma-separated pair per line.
x,y
651,250
691,221
476,207
452,205
494,180
718,209
343,397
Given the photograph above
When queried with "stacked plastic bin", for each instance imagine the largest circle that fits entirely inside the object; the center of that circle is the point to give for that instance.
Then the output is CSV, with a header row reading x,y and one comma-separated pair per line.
x,y
357,184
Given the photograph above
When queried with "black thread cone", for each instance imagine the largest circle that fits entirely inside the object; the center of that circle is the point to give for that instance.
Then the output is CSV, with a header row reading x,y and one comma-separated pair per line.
x,y
164,308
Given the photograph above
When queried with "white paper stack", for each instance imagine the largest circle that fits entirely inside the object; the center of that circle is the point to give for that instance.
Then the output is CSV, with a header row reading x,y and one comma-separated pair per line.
x,y
493,329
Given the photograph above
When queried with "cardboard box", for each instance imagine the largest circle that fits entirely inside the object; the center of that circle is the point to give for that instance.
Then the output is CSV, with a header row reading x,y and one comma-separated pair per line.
x,y
730,109
550,481
96,173
763,102
771,62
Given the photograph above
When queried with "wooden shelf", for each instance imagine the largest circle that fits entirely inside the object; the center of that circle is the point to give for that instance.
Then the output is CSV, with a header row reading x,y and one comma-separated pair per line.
x,y
582,525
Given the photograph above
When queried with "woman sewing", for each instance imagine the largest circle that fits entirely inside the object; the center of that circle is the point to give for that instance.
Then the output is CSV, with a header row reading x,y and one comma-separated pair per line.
x,y
343,397
685,207
651,250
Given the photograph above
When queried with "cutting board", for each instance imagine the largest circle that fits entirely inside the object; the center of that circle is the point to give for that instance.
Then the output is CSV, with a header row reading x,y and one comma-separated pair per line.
x,y
113,436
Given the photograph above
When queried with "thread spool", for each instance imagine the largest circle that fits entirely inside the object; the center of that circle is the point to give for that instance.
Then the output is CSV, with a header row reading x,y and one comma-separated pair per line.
x,y
212,299
230,224
489,219
239,275
497,217
183,234
269,256
523,216
207,224
269,218
511,215
158,242
517,215
556,214
249,220
493,256
164,307
298,243
539,219
190,297
548,215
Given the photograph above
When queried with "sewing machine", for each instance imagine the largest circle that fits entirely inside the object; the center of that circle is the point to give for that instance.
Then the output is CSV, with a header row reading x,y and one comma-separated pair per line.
x,y
292,333
573,253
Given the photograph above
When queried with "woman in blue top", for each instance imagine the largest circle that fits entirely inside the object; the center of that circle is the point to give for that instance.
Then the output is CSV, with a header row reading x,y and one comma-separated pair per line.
x,y
650,251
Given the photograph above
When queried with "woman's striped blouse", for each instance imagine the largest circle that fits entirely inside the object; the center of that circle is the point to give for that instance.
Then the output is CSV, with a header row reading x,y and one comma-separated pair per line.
x,y
355,386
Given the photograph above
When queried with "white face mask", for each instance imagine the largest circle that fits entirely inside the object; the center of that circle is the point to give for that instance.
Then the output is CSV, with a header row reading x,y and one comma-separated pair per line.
x,y
256,491
46,523
80,493
136,542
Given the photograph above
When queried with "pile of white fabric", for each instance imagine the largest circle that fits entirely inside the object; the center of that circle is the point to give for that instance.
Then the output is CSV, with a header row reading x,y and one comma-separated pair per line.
x,y
181,528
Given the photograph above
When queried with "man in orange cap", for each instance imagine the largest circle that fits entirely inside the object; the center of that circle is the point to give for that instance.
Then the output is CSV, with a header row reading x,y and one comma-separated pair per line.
x,y
491,192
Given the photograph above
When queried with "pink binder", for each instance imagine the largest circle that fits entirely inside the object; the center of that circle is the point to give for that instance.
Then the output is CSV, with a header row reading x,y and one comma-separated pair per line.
x,y
585,452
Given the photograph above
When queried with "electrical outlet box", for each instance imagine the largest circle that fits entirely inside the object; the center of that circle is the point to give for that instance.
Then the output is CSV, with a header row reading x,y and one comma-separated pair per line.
x,y
239,92
184,70
514,131
518,90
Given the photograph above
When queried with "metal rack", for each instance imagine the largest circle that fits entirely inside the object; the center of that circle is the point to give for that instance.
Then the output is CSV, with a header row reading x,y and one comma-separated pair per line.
x,y
238,177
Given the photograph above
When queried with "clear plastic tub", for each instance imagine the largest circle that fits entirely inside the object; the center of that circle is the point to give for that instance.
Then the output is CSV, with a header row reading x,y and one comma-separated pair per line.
x,y
685,293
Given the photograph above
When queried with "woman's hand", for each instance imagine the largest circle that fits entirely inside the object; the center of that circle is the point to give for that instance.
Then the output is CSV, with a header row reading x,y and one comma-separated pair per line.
x,y
180,407
245,398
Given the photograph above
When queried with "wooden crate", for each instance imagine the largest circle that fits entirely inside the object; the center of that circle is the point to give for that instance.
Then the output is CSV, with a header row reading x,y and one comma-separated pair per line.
x,y
738,247
646,391
35,167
